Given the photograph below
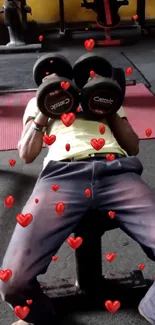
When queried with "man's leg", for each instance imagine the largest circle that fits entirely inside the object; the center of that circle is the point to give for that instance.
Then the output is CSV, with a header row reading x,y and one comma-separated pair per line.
x,y
31,249
134,204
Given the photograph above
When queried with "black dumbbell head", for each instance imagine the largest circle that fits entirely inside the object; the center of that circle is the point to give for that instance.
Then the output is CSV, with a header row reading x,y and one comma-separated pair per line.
x,y
90,62
54,99
49,64
119,76
101,97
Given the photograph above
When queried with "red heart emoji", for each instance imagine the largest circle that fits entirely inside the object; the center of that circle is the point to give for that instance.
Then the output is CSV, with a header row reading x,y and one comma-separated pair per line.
x,y
5,275
36,200
12,162
67,146
88,192
97,144
110,257
148,132
141,267
60,208
22,312
24,220
40,38
110,157
55,187
74,242
65,85
112,307
92,74
55,258
79,109
102,129
29,302
129,71
89,44
68,119
111,214
49,139
9,201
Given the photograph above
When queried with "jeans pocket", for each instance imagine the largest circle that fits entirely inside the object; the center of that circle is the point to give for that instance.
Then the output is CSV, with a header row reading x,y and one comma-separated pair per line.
x,y
132,165
48,169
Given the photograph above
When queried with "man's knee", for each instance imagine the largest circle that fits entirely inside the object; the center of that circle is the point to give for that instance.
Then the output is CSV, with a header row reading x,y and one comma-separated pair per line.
x,y
12,290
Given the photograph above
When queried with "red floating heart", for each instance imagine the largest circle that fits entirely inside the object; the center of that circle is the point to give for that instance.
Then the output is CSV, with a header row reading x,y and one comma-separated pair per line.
x,y
55,187
29,302
74,242
97,144
12,162
89,44
102,129
135,17
88,192
110,257
141,267
67,146
9,201
49,140
112,307
111,214
55,258
22,312
129,71
68,119
5,275
92,74
148,132
60,208
40,38
24,220
65,85
110,157
79,109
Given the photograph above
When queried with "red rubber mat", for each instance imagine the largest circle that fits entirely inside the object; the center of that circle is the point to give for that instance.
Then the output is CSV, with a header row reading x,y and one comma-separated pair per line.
x,y
139,105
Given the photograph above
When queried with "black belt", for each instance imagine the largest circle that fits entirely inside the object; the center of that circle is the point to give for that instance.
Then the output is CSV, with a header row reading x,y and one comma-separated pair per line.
x,y
95,156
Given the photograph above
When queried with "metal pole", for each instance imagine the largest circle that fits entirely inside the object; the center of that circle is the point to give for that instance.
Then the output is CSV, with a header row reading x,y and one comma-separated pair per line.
x,y
62,17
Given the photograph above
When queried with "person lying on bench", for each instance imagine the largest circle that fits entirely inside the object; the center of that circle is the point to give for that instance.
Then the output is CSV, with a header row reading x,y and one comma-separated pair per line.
x,y
59,202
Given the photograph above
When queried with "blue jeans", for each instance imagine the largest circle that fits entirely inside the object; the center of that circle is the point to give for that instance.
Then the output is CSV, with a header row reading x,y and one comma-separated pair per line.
x,y
115,186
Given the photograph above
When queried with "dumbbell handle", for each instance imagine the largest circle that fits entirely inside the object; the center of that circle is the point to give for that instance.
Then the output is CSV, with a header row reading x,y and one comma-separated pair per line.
x,y
128,82
41,119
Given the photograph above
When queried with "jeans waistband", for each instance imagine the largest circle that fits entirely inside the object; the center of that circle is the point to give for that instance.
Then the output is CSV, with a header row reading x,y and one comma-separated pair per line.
x,y
95,156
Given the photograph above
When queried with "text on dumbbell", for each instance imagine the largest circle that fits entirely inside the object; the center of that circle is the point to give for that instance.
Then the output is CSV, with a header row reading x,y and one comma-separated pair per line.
x,y
103,100
63,102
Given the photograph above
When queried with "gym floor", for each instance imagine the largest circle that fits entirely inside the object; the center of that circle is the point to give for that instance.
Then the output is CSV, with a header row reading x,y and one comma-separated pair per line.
x,y
16,72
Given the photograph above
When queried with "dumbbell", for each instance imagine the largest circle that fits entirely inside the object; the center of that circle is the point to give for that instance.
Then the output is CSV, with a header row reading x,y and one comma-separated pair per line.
x,y
103,94
58,94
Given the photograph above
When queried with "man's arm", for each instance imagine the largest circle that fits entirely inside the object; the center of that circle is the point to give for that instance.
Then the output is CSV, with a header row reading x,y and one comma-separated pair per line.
x,y
30,143
124,134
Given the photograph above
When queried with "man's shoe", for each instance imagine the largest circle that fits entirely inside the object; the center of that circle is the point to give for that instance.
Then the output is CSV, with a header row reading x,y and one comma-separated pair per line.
x,y
143,315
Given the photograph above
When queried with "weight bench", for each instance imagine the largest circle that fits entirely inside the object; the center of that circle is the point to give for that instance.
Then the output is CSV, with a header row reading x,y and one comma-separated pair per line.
x,y
91,289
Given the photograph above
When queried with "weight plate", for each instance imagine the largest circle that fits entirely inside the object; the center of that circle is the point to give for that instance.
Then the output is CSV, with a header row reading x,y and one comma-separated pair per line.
x,y
119,76
101,98
49,64
53,100
90,62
